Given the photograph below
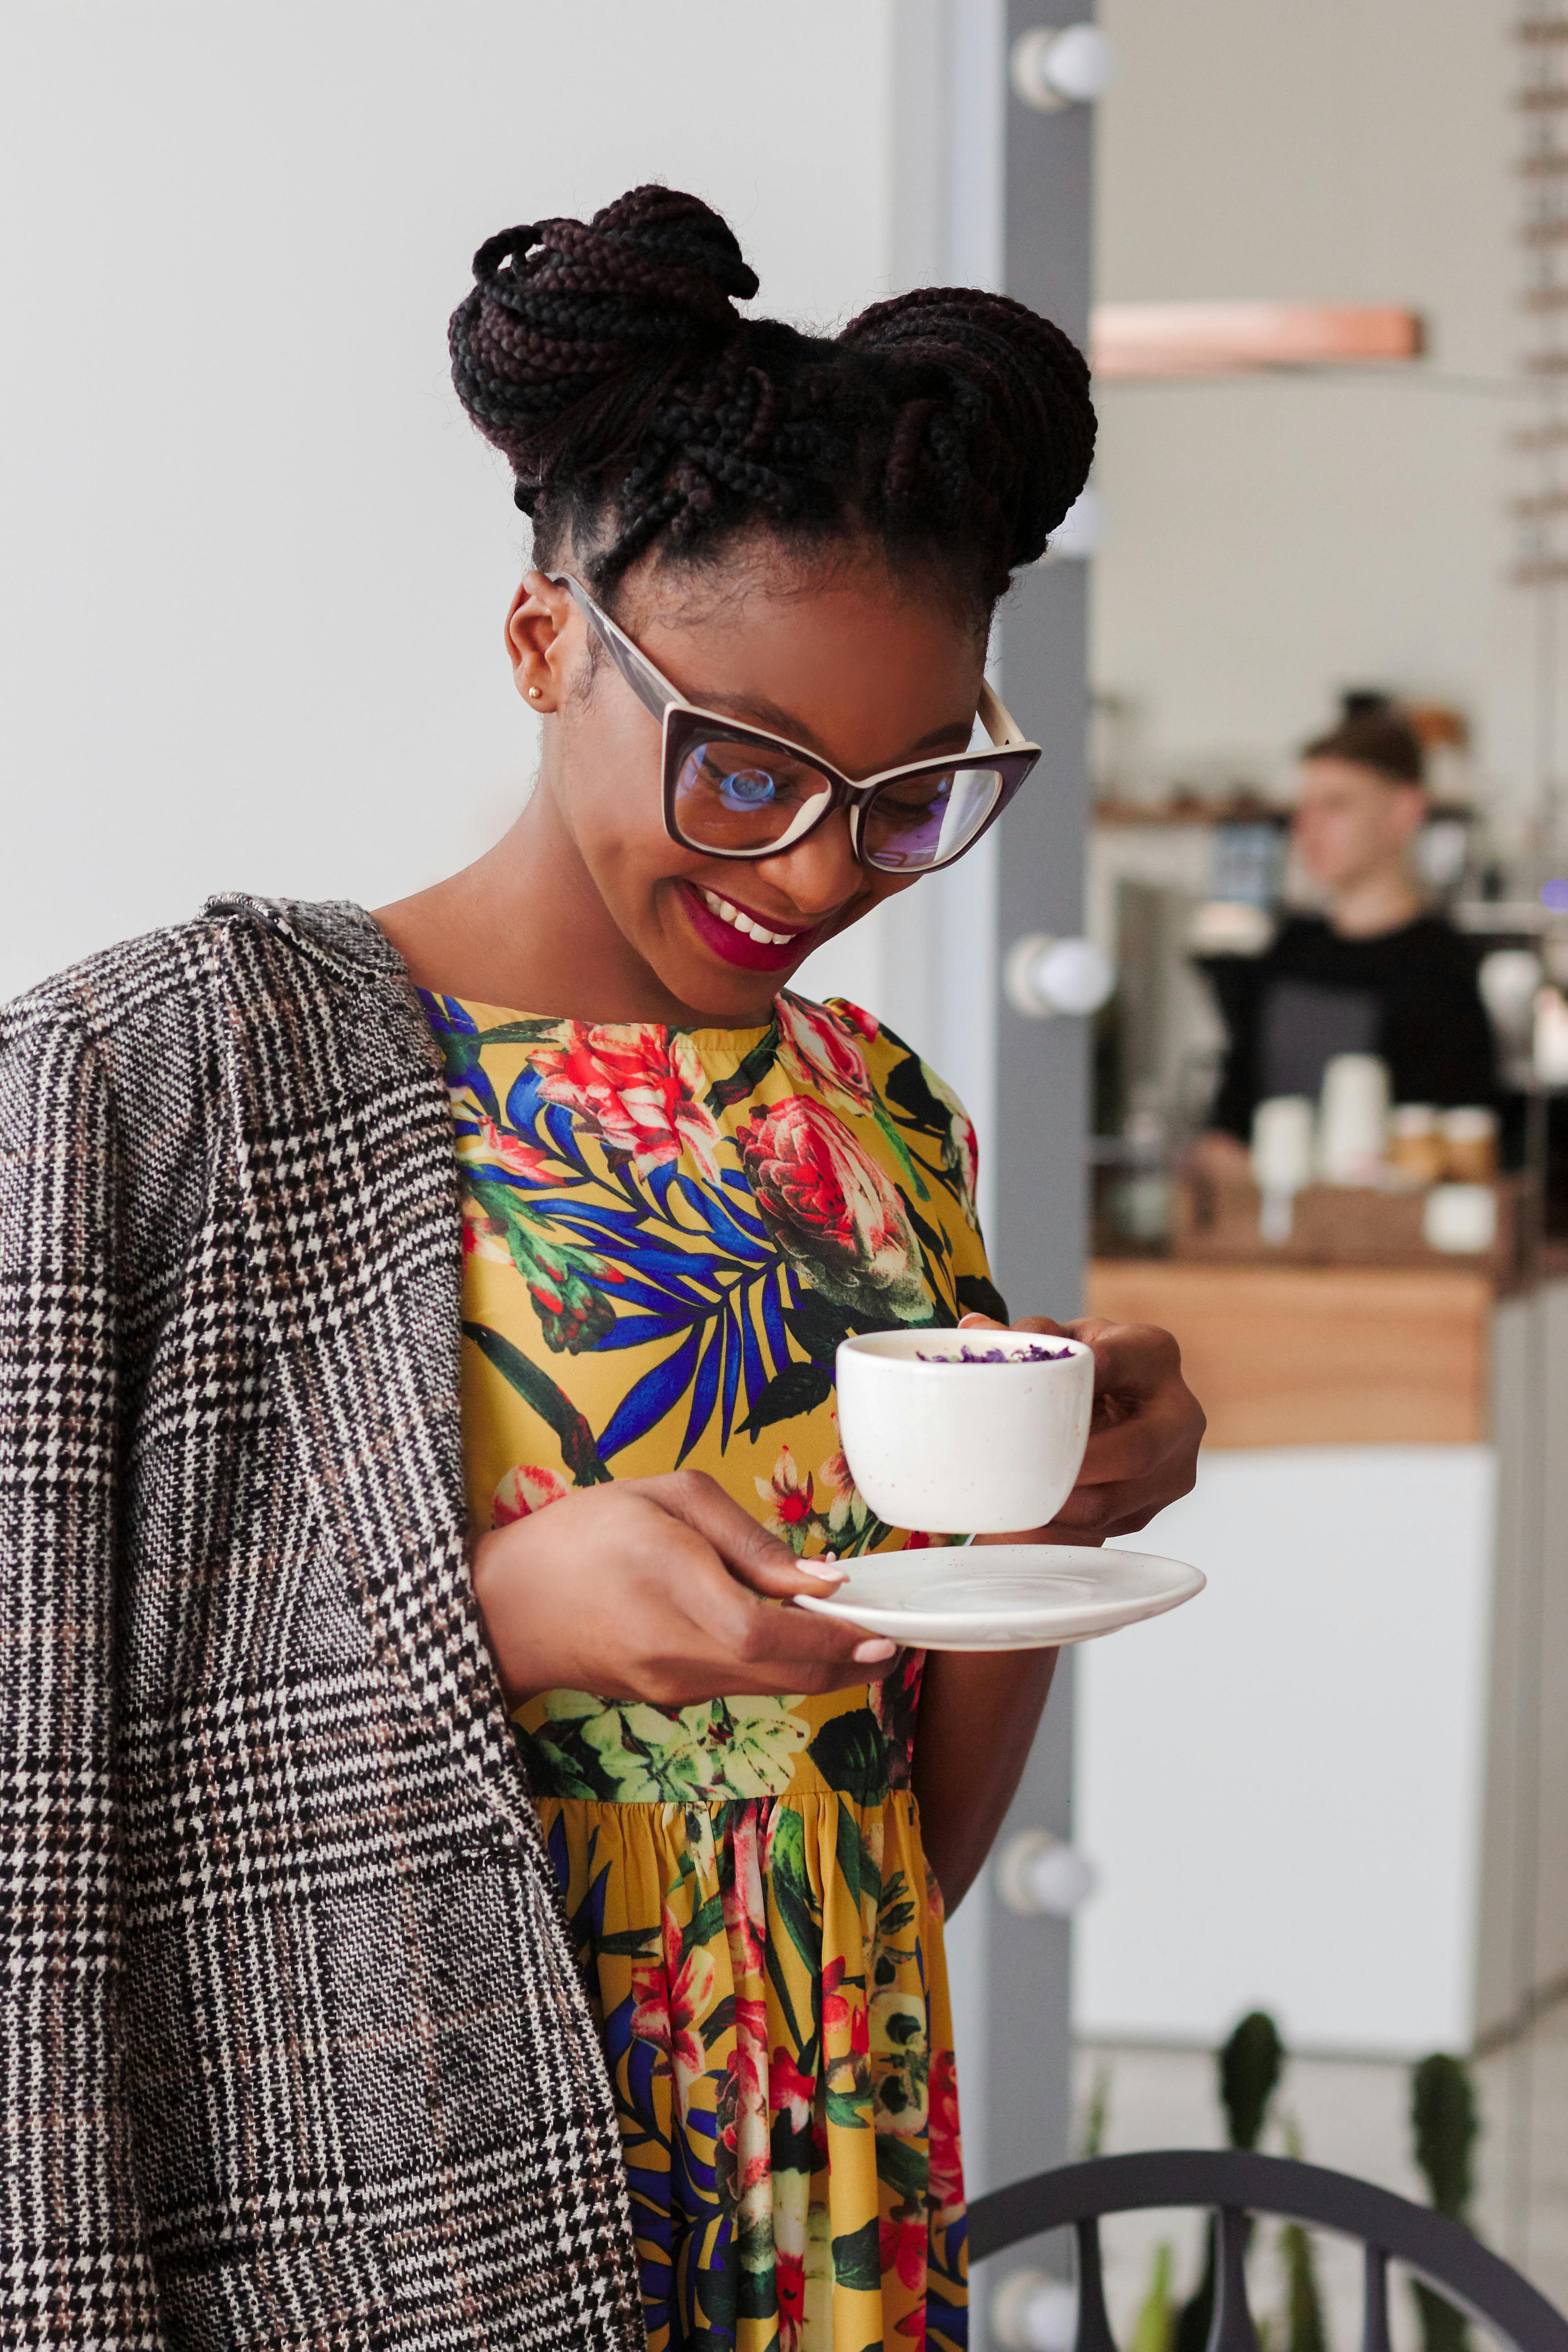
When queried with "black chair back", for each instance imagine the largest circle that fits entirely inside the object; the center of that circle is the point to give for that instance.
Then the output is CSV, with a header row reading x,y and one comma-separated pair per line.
x,y
1233,2185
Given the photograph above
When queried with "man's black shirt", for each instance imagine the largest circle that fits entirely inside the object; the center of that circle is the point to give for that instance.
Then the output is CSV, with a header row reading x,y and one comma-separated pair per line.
x,y
1409,995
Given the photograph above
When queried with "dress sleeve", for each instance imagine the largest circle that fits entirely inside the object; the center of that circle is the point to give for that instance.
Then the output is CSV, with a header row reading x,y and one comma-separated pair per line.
x,y
76,2270
935,1136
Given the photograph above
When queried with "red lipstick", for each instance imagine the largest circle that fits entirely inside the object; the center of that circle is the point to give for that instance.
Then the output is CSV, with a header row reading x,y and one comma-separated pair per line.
x,y
737,947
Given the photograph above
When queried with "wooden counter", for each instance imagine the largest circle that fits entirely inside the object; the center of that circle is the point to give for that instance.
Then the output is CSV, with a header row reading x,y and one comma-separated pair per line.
x,y
1317,1355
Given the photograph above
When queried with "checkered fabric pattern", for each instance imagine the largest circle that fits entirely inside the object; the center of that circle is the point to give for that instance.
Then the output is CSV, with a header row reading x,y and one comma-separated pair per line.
x,y
293,2051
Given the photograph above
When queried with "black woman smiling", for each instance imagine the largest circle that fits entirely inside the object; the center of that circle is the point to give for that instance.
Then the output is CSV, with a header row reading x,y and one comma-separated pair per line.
x,y
458,1904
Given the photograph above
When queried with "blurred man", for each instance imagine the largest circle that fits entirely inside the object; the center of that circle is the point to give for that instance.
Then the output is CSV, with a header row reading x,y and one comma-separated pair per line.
x,y
1378,973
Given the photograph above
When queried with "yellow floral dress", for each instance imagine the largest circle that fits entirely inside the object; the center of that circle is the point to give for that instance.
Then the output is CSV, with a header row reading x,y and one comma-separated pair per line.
x,y
667,1233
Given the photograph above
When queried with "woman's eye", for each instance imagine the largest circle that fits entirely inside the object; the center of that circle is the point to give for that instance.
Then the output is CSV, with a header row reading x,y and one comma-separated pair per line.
x,y
747,788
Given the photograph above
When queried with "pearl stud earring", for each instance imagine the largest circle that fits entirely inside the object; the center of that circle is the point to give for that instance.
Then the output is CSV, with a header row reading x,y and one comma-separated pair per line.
x,y
535,694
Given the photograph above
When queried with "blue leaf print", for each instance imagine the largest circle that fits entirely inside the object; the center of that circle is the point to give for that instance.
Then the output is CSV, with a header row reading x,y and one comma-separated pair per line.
x,y
704,1391
772,1323
732,1376
657,1393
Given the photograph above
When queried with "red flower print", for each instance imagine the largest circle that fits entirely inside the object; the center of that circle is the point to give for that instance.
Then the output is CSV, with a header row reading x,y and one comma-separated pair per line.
x,y
490,1146
745,1918
640,1093
904,2244
669,2002
526,1488
789,2281
864,1026
481,1238
818,1048
946,2145
794,1510
828,1205
789,2090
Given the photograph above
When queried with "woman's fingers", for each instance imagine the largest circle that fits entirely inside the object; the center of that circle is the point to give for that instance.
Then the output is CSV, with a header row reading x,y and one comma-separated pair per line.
x,y
758,1559
1143,1445
730,1582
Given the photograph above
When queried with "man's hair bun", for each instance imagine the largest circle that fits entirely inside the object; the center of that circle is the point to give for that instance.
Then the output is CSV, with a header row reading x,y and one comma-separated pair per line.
x,y
607,360
562,310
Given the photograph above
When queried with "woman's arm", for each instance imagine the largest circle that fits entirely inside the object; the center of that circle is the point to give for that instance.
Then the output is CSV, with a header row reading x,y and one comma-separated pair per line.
x,y
979,1713
978,1717
69,2215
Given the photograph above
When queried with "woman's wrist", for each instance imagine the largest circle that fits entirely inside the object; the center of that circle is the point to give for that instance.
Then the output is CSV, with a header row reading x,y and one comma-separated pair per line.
x,y
515,1632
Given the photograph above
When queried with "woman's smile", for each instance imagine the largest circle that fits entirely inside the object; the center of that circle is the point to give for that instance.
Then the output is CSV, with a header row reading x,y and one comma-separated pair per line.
x,y
742,938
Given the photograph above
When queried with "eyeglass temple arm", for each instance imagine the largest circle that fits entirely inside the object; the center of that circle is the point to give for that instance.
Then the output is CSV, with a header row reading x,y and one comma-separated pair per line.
x,y
999,722
652,691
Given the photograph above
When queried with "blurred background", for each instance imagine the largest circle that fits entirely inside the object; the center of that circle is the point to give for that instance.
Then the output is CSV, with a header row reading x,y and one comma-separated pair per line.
x,y
1271,1051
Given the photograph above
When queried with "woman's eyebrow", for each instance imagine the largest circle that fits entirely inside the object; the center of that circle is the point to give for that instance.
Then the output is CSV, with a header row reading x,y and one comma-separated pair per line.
x,y
753,711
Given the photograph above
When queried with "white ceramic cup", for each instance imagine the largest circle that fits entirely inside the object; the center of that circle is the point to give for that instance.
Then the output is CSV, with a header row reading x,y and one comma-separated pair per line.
x,y
951,1448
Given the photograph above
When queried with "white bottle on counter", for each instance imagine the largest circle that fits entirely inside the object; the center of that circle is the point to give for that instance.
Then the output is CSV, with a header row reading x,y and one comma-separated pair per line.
x,y
1352,1123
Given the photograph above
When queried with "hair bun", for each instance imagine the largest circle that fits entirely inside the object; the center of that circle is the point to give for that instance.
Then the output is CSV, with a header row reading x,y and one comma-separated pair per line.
x,y
995,394
567,313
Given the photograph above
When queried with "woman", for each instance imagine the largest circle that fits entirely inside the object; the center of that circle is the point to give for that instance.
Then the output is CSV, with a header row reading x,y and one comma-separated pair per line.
x,y
303,2048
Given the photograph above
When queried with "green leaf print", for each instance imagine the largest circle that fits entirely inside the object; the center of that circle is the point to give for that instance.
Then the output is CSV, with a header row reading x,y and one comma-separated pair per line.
x,y
857,1864
858,2259
562,1281
896,1911
706,1925
558,1762
536,1388
903,2167
910,1089
799,1389
631,1943
851,1754
725,1093
518,1032
718,2022
817,1327
848,2110
978,1296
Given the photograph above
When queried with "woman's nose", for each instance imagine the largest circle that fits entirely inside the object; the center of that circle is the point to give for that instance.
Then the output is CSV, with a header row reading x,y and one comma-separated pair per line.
x,y
821,873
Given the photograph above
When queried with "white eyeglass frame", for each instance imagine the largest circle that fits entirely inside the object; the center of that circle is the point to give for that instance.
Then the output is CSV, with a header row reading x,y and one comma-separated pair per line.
x,y
1012,755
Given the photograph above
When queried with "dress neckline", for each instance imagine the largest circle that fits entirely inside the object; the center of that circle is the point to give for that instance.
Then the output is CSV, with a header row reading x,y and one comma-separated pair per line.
x,y
736,1041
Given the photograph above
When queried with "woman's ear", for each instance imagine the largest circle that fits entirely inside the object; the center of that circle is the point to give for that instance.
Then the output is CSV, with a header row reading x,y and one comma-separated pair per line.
x,y
535,627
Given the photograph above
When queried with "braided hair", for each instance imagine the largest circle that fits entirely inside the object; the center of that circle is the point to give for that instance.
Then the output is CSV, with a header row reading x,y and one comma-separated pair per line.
x,y
639,410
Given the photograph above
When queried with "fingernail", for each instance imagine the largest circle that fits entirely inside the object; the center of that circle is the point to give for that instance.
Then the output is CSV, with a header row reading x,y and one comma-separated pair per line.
x,y
826,1570
871,1653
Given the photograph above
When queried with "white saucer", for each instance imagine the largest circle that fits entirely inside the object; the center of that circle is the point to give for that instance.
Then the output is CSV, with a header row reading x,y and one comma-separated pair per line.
x,y
1005,1596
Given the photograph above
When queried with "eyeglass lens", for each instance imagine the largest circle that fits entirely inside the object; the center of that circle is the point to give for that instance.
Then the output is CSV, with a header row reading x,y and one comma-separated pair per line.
x,y
738,798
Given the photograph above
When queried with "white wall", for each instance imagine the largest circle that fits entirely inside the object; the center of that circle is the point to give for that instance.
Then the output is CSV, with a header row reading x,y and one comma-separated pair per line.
x,y
1281,1784
1272,539
254,561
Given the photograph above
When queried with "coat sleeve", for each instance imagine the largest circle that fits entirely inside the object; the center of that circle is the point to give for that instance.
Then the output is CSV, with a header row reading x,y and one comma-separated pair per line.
x,y
73,2267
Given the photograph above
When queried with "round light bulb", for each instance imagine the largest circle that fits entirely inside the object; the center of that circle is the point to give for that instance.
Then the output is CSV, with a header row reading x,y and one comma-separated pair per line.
x,y
1080,64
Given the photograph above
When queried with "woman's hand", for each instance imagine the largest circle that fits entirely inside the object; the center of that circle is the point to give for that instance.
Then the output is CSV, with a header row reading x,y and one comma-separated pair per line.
x,y
1143,1442
659,1588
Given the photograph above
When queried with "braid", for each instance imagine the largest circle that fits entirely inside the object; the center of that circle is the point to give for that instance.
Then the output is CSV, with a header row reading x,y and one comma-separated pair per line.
x,y
636,405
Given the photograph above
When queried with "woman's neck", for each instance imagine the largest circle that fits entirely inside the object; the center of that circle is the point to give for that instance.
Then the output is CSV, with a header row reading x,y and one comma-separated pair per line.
x,y
1383,901
524,927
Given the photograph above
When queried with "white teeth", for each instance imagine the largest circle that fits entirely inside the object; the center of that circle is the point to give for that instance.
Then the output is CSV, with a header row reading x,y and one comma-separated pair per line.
x,y
754,931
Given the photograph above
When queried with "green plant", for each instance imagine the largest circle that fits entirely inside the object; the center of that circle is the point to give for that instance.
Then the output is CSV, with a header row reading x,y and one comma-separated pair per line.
x,y
1249,2069
1156,2315
1445,2124
1304,2329
1097,2113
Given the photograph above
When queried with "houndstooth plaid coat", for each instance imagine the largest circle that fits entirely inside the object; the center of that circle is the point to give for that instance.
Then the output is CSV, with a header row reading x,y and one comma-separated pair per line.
x,y
294,2052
